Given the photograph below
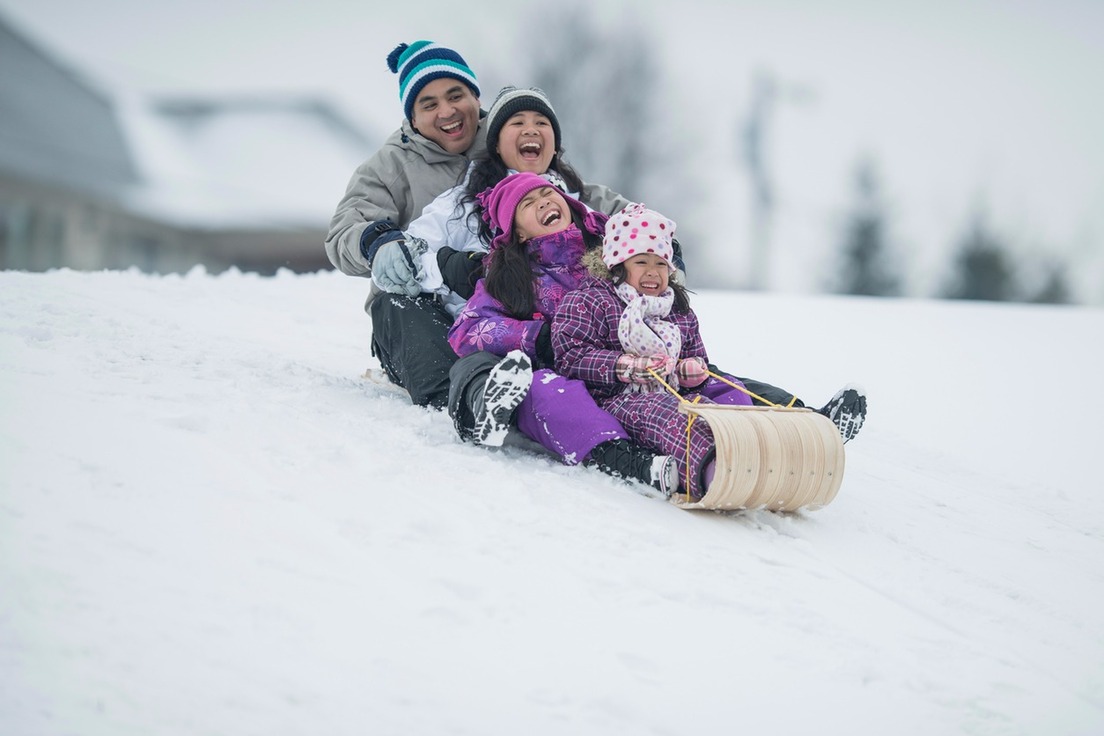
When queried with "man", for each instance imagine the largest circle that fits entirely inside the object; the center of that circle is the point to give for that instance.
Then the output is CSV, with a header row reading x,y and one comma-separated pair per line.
x,y
441,133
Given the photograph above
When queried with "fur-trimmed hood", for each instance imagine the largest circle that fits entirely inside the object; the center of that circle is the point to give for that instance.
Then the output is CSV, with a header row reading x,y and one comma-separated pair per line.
x,y
597,268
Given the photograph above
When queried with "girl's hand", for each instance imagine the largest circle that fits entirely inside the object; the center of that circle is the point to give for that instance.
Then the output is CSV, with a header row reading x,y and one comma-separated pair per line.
x,y
638,368
692,372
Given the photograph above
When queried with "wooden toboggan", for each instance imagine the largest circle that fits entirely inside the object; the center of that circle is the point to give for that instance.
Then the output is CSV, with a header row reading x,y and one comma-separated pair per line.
x,y
772,457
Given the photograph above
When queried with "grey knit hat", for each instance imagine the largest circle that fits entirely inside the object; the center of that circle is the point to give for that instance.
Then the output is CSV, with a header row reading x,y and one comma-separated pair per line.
x,y
513,100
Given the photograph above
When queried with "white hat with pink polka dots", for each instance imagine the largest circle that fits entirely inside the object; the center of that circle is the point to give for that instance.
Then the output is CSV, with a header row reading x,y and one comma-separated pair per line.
x,y
634,230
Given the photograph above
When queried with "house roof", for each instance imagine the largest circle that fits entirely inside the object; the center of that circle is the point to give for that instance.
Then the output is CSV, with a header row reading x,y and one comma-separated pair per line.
x,y
242,161
203,162
56,126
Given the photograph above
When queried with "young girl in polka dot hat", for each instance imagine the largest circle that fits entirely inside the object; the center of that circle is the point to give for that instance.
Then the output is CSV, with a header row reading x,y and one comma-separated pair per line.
x,y
637,229
630,322
628,325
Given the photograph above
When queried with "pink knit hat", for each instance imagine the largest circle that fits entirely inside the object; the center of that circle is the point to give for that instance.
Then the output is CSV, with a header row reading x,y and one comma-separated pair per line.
x,y
637,229
500,202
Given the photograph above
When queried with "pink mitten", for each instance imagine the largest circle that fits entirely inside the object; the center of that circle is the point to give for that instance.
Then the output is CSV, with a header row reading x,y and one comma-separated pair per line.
x,y
637,368
664,365
692,372
633,368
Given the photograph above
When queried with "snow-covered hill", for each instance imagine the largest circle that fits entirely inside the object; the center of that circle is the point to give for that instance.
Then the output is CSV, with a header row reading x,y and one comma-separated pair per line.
x,y
210,524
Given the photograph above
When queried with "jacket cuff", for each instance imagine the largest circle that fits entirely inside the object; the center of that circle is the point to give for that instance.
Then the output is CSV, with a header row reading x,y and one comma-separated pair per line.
x,y
376,234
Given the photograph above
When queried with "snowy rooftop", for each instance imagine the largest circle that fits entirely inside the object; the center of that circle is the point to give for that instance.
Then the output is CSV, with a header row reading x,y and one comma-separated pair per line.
x,y
242,161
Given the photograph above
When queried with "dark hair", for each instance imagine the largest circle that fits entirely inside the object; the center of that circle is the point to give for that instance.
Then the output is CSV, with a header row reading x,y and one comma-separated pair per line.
x,y
509,278
489,171
509,275
682,294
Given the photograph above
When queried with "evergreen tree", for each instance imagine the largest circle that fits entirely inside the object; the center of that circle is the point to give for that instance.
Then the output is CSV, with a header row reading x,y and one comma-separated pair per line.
x,y
1055,286
867,266
983,268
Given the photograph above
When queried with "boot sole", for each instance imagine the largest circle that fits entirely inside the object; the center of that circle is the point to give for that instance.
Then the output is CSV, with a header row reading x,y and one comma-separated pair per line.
x,y
507,386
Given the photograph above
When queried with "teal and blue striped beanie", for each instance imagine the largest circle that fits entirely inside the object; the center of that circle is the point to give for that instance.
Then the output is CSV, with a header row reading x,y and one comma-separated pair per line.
x,y
420,63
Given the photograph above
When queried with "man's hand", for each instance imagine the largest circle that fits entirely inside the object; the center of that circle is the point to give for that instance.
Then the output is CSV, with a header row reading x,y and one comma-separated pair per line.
x,y
397,266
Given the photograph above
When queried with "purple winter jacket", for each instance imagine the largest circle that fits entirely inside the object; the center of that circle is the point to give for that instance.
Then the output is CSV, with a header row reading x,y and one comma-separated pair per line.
x,y
484,325
584,336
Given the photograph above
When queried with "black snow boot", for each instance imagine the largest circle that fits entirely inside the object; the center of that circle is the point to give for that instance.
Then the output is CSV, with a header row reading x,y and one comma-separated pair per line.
x,y
847,410
623,459
506,386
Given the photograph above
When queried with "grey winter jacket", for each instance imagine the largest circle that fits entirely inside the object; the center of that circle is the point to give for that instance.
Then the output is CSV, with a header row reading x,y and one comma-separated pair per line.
x,y
405,175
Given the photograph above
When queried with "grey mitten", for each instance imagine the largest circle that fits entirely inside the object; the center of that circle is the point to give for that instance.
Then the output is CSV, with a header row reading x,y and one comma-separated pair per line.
x,y
397,267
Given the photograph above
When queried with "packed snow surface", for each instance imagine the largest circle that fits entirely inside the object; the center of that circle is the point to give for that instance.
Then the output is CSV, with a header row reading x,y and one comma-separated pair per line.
x,y
210,523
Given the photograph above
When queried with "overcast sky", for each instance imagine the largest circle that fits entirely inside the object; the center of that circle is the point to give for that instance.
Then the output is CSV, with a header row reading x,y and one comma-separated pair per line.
x,y
963,104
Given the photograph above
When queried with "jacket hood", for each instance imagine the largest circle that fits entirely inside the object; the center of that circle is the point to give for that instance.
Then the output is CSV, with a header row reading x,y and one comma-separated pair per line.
x,y
595,266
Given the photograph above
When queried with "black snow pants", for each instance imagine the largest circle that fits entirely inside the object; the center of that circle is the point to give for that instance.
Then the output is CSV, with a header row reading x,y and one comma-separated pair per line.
x,y
410,339
773,394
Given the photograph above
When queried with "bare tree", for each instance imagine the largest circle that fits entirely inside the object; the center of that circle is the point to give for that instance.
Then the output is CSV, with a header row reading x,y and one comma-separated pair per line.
x,y
602,85
753,137
611,96
620,127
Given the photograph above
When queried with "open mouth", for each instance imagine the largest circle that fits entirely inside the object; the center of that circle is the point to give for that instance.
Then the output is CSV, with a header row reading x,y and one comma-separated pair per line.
x,y
530,149
550,217
649,285
453,128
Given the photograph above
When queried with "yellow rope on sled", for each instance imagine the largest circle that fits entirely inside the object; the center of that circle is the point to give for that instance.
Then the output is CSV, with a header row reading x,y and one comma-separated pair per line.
x,y
690,417
724,380
777,457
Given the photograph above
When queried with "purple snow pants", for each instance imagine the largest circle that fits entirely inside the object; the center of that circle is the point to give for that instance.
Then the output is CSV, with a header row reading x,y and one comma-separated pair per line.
x,y
654,421
561,415
720,392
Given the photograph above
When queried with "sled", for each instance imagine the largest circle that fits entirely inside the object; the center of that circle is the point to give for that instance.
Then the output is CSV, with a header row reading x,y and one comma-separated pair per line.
x,y
771,457
378,377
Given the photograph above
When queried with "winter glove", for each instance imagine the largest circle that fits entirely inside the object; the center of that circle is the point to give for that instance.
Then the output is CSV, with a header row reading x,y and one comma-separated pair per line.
x,y
636,368
545,357
397,267
692,372
375,235
460,269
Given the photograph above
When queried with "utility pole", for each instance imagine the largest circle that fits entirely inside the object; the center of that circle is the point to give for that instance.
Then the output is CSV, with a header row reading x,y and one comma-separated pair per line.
x,y
766,92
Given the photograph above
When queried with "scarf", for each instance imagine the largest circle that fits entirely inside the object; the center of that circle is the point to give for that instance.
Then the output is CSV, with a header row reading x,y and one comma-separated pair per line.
x,y
643,330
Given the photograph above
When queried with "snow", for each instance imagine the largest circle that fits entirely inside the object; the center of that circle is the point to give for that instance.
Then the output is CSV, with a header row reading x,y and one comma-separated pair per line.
x,y
210,523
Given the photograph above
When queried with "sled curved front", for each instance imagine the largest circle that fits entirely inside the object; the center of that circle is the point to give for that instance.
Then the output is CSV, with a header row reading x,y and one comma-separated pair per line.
x,y
776,458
